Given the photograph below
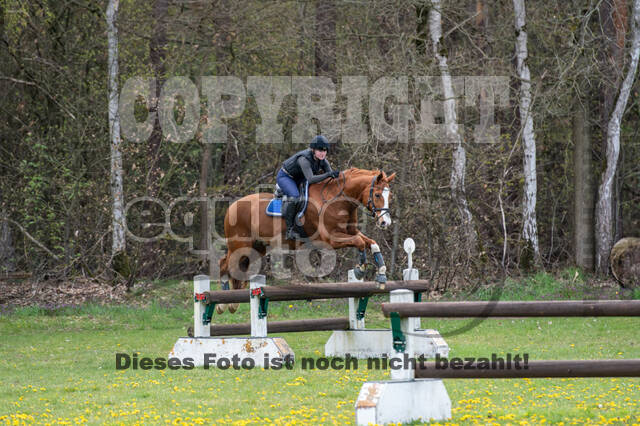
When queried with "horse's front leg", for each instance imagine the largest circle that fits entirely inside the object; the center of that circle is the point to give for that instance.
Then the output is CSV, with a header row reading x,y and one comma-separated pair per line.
x,y
381,274
358,270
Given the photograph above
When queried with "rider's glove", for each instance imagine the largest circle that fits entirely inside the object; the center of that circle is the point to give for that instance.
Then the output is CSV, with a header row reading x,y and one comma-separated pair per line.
x,y
335,174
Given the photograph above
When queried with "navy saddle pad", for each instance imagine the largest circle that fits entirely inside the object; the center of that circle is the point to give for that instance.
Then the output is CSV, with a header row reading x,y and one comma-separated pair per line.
x,y
274,208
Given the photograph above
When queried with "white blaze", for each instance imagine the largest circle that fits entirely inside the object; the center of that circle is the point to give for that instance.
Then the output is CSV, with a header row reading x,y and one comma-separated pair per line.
x,y
386,217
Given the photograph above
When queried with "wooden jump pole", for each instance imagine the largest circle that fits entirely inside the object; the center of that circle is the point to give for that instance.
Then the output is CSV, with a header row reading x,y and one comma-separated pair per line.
x,y
556,308
538,369
289,326
317,291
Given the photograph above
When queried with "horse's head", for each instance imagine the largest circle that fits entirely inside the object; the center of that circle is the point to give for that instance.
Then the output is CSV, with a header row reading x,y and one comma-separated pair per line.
x,y
377,198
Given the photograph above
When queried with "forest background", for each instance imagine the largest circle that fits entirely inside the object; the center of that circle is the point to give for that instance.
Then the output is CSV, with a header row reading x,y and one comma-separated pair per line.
x,y
59,153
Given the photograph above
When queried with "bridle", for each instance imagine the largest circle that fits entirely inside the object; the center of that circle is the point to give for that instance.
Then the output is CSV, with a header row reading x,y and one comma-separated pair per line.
x,y
371,205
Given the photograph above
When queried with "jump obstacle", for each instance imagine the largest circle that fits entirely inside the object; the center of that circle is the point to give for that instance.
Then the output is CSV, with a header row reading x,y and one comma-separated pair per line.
x,y
418,393
412,393
349,333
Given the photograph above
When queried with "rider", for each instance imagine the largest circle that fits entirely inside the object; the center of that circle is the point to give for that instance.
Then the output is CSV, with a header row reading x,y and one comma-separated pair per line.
x,y
305,165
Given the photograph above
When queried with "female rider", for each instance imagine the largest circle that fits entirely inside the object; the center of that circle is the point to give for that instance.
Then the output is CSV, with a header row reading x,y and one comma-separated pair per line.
x,y
309,165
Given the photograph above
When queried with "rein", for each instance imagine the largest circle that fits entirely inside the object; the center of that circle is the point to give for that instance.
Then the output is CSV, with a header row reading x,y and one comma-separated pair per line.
x,y
340,193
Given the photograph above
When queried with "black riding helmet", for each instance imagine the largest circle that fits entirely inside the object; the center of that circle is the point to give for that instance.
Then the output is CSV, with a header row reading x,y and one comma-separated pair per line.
x,y
319,142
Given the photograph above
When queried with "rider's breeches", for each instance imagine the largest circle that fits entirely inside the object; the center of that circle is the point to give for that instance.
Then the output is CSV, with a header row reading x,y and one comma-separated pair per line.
x,y
287,184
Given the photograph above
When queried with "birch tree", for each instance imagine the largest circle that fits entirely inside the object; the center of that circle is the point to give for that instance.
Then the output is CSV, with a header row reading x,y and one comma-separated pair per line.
x,y
529,223
118,217
604,207
458,169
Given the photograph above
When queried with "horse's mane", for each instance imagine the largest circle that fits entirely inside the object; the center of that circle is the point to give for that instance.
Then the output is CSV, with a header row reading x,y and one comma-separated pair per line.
x,y
354,171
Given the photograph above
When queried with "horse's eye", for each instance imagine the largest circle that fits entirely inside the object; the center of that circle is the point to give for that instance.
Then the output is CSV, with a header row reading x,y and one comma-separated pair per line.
x,y
377,195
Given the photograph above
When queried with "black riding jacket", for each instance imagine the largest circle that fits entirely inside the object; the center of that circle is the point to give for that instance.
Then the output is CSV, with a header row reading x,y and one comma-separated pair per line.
x,y
304,166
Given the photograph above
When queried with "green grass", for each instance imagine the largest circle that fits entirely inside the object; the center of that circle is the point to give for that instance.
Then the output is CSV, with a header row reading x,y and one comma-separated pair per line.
x,y
59,366
571,283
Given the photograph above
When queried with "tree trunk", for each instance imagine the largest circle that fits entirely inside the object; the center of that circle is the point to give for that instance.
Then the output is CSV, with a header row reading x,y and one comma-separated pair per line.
x,y
584,190
482,17
157,53
482,24
459,155
204,205
229,159
386,31
618,183
118,216
613,19
604,207
222,41
422,30
7,253
404,143
529,223
398,26
325,42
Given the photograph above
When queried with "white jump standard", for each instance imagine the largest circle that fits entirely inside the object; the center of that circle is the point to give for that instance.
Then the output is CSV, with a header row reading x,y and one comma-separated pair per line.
x,y
202,345
403,398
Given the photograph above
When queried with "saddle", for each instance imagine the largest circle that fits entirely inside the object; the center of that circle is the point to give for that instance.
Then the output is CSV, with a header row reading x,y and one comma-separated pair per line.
x,y
274,208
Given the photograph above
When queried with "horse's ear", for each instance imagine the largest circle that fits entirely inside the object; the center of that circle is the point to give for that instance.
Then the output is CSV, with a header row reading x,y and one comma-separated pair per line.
x,y
390,178
381,176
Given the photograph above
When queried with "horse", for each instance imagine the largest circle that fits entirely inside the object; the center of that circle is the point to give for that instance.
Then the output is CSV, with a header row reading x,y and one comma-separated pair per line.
x,y
330,219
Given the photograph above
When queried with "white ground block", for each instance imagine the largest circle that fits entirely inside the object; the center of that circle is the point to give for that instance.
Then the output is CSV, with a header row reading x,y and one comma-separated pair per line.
x,y
255,348
402,401
376,343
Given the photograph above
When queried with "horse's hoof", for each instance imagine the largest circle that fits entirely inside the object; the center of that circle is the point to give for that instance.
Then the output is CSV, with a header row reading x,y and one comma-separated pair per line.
x,y
358,272
220,307
381,279
233,307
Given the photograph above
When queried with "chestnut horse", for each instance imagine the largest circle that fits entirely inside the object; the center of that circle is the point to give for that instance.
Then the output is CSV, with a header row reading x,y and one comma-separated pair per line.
x,y
330,219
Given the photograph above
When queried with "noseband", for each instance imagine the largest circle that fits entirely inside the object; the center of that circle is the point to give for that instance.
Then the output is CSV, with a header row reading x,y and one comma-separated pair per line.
x,y
371,205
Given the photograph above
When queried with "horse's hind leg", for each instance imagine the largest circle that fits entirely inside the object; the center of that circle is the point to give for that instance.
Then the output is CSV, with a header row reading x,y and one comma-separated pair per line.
x,y
236,284
245,261
224,281
228,275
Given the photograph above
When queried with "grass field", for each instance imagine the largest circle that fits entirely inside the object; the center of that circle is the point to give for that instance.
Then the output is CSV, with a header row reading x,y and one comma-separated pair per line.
x,y
58,367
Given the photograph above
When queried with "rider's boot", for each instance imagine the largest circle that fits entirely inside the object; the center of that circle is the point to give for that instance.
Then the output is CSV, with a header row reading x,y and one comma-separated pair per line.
x,y
289,210
296,222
